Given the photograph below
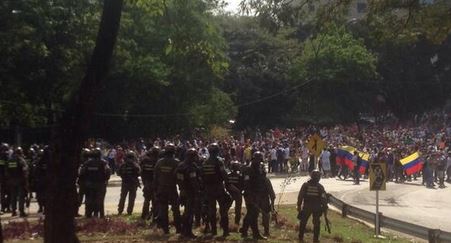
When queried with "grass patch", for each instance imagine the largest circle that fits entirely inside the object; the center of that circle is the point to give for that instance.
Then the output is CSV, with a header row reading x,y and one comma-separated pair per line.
x,y
131,229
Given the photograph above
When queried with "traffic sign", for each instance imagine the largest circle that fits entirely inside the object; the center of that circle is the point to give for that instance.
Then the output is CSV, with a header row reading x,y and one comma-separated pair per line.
x,y
315,144
378,176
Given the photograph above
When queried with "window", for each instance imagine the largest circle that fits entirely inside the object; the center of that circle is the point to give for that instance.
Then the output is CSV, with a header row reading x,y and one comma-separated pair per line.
x,y
361,7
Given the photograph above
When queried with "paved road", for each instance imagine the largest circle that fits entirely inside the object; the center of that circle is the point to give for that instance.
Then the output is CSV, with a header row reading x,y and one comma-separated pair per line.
x,y
409,202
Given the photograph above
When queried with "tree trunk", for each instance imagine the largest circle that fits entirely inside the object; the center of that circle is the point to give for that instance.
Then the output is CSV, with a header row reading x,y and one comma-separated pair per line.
x,y
68,138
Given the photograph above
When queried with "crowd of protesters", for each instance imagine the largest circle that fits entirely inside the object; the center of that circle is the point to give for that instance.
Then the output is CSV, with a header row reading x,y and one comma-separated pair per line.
x,y
285,152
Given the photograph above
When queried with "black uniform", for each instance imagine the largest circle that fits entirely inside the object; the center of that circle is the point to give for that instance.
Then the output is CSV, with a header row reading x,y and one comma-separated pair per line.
x,y
311,201
267,206
236,191
201,209
129,173
254,187
147,171
441,167
215,179
189,184
166,192
17,180
40,175
4,189
95,174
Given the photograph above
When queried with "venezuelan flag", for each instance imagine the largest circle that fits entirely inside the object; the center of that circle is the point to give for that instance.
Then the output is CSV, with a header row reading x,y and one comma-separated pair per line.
x,y
364,158
412,163
344,156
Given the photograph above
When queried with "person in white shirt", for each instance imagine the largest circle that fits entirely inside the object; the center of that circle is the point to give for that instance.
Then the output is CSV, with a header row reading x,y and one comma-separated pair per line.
x,y
448,167
203,153
286,157
325,162
304,158
110,157
273,159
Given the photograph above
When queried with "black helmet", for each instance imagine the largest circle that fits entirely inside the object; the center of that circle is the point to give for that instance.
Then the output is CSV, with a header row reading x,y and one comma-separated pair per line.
x,y
4,147
46,152
258,155
130,155
191,154
85,152
154,151
169,149
235,166
96,153
213,149
18,151
315,175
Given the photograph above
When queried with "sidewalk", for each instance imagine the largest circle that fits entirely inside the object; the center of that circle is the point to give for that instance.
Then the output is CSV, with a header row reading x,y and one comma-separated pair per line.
x,y
115,179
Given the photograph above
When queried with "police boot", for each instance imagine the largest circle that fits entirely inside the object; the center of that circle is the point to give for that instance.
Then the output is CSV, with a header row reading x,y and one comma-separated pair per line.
x,y
301,232
191,235
207,228
225,227
23,215
166,231
214,231
178,229
197,223
258,236
188,233
243,232
225,232
244,228
266,234
316,230
145,216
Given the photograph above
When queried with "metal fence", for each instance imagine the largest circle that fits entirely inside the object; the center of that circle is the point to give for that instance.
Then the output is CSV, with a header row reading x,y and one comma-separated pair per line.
x,y
432,235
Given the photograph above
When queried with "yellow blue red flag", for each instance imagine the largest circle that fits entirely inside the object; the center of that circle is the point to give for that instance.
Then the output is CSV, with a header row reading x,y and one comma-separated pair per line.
x,y
412,163
364,162
344,156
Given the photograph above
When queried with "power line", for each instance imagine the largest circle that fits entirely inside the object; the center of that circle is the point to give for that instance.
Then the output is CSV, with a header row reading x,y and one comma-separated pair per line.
x,y
143,115
126,115
275,94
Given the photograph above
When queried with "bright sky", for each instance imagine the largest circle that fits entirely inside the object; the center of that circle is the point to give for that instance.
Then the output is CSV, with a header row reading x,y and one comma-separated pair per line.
x,y
232,5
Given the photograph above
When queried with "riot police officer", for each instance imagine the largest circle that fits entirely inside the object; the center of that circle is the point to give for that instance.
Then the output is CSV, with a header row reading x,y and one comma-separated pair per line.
x,y
215,181
129,173
147,169
4,190
254,187
81,180
40,175
96,174
312,200
31,159
441,168
267,202
166,189
236,188
189,184
201,210
17,180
